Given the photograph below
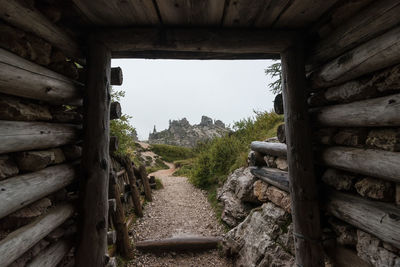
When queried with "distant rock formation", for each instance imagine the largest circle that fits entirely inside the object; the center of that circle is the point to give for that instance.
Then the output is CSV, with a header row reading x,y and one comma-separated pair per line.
x,y
181,133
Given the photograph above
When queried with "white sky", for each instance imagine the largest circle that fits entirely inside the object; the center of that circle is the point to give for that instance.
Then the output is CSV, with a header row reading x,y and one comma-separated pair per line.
x,y
160,90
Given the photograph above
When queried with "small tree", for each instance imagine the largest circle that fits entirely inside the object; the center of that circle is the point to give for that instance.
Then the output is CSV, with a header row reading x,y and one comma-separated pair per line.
x,y
275,72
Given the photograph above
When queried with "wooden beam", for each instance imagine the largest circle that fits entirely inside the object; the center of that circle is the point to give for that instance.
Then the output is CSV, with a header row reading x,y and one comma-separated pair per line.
x,y
182,243
272,176
269,148
21,136
126,161
376,112
377,218
95,157
213,40
145,181
27,18
20,77
115,111
21,240
376,54
22,190
303,184
52,255
370,162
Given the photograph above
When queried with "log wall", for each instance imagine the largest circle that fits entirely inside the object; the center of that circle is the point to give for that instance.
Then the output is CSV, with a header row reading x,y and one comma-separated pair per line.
x,y
41,138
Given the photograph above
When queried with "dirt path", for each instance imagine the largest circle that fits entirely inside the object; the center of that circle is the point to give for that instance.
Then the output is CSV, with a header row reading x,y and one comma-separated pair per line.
x,y
179,209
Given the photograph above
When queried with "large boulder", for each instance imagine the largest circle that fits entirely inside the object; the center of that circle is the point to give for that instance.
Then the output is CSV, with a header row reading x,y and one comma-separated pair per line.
x,y
237,196
264,238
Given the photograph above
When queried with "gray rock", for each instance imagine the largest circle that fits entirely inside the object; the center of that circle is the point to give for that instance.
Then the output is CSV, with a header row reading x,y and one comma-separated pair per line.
x,y
375,188
371,250
8,167
281,163
387,139
338,179
262,239
345,233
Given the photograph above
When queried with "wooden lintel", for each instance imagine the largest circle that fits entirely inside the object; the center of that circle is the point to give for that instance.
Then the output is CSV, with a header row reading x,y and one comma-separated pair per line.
x,y
191,41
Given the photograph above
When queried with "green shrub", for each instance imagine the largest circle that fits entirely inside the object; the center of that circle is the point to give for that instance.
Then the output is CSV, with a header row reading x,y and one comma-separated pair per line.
x,y
159,184
171,153
184,167
159,165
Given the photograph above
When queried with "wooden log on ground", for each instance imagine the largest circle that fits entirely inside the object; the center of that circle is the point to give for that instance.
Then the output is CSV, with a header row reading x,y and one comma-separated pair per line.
x,y
370,162
20,77
146,184
111,237
376,112
132,183
22,136
118,217
278,104
363,88
19,191
377,218
31,20
52,255
113,146
272,176
116,76
364,25
115,111
95,158
17,109
179,244
21,240
280,133
376,54
303,183
269,148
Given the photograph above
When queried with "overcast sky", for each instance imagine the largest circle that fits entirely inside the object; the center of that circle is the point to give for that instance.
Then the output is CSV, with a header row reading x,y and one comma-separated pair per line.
x,y
160,90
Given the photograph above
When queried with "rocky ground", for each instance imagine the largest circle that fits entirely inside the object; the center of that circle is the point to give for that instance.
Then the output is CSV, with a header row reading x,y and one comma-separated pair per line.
x,y
179,209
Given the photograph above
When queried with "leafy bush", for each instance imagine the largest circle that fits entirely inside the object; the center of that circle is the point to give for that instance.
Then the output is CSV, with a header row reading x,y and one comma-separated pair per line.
x,y
159,165
185,167
220,156
171,153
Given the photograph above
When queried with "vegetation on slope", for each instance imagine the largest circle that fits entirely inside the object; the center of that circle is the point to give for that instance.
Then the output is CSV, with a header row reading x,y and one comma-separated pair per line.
x,y
171,153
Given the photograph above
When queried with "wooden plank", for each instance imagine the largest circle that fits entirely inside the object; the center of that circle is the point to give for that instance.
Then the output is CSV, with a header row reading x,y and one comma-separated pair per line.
x,y
119,13
301,13
21,240
270,13
196,40
191,12
95,157
27,18
376,54
24,78
272,176
181,243
377,218
370,162
269,148
363,26
52,255
244,13
303,183
20,136
376,112
22,190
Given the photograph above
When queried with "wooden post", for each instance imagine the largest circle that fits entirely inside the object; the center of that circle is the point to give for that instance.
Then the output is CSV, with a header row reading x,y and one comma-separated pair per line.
x,y
303,186
146,184
95,159
132,183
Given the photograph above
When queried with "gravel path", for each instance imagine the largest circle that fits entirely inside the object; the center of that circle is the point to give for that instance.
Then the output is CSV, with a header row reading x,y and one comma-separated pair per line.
x,y
177,210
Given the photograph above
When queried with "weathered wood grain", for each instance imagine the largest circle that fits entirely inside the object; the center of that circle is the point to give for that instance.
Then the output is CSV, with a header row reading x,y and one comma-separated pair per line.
x,y
20,77
115,110
52,255
269,148
182,243
272,176
116,76
21,240
126,161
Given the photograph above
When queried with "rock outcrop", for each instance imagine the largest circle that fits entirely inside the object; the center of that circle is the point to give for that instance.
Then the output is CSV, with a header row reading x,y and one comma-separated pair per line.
x,y
181,133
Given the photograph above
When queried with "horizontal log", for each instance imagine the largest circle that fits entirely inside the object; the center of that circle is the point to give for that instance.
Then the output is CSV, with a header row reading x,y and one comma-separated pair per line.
x,y
115,110
196,40
278,104
377,218
272,176
181,243
27,18
21,190
116,76
22,136
370,162
366,87
20,77
269,148
376,112
370,56
52,255
364,25
21,240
